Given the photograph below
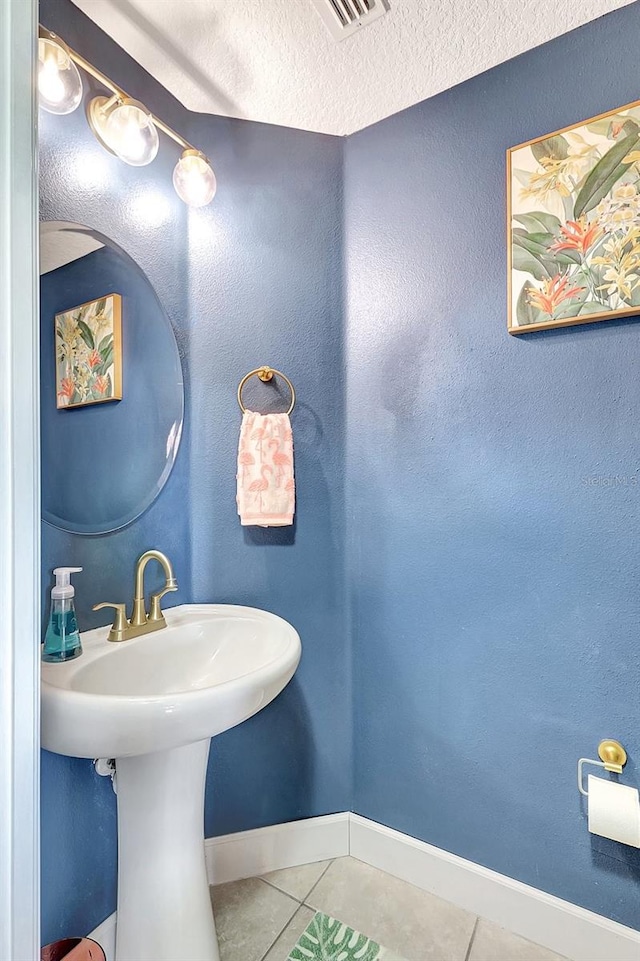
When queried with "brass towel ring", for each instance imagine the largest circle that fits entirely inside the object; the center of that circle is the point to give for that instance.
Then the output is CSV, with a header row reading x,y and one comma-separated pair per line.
x,y
266,374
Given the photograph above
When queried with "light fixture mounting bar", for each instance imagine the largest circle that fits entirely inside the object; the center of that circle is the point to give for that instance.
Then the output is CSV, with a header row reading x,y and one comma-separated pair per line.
x,y
102,78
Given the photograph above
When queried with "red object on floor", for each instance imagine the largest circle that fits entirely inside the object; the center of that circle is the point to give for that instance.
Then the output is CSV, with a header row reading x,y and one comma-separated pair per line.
x,y
73,949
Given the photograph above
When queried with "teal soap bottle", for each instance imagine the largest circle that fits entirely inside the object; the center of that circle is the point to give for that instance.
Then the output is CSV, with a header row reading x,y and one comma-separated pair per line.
x,y
62,640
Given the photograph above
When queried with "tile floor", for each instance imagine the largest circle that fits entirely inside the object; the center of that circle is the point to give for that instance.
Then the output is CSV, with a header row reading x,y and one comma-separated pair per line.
x,y
261,919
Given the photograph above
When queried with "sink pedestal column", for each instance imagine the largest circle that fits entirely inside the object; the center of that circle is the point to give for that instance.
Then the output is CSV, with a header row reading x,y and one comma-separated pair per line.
x,y
164,909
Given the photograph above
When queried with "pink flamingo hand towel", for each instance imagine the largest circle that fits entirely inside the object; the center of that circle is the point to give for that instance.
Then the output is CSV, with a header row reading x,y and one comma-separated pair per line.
x,y
266,488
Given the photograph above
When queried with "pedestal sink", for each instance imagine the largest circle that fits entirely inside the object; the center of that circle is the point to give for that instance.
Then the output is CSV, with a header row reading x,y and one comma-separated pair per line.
x,y
153,703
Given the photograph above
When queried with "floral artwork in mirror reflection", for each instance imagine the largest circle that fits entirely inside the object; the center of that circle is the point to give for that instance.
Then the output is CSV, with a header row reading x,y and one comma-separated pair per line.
x,y
89,353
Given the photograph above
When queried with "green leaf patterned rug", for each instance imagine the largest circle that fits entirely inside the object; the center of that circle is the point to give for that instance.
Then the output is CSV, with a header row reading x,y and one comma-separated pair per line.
x,y
327,939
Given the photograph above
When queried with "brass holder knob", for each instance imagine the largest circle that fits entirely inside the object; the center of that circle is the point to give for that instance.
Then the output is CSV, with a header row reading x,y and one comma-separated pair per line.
x,y
613,754
265,374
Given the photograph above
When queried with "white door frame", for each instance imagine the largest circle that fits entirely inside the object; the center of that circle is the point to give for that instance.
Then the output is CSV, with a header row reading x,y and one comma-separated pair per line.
x,y
19,488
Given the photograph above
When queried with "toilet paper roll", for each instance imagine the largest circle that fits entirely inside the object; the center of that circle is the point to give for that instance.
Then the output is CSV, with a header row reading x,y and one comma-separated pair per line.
x,y
614,811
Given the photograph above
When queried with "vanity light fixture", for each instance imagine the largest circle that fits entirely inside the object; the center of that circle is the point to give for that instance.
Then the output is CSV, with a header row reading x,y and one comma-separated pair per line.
x,y
194,179
125,127
59,80
122,125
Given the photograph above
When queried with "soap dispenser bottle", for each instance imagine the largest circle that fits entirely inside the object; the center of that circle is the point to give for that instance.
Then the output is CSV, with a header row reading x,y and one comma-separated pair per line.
x,y
62,640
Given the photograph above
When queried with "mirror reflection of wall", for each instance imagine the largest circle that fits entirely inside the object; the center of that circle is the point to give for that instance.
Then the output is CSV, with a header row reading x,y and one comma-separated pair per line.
x,y
104,336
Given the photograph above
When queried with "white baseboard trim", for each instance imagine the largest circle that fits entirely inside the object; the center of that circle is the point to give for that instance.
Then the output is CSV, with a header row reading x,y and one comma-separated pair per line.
x,y
558,925
249,854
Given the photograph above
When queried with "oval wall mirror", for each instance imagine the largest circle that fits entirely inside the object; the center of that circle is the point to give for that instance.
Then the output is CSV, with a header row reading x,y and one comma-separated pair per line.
x,y
112,394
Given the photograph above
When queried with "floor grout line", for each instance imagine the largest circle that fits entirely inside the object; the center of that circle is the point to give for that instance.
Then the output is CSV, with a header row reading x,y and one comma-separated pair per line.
x,y
280,891
276,888
286,925
258,877
299,904
290,921
309,893
471,939
292,896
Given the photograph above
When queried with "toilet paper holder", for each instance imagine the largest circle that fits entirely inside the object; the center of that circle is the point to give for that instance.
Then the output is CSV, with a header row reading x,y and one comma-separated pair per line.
x,y
613,757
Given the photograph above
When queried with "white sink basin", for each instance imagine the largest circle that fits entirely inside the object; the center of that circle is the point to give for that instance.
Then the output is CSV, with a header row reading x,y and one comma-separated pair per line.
x,y
153,703
213,666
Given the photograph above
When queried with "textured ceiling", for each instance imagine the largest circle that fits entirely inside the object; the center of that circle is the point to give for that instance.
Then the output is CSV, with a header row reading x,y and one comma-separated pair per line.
x,y
60,244
275,61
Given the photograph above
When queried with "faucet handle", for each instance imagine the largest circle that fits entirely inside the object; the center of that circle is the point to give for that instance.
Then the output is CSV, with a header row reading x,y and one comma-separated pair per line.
x,y
120,622
155,611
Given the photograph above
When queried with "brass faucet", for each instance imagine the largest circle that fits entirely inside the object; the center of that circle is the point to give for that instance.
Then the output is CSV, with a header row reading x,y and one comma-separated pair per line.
x,y
141,622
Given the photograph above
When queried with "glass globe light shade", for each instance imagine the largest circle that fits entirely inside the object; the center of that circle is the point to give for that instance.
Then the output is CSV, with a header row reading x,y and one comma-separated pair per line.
x,y
194,179
59,81
128,129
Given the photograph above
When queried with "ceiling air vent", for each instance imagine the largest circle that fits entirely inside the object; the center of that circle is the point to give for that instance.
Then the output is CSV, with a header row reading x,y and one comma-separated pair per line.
x,y
345,17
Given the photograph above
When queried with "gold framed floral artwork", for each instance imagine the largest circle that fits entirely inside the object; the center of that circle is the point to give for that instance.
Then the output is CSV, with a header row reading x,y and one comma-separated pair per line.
x,y
89,353
573,208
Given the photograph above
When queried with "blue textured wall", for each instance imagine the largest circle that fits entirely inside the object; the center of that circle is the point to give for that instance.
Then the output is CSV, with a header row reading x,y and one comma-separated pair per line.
x,y
495,579
253,279
265,268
